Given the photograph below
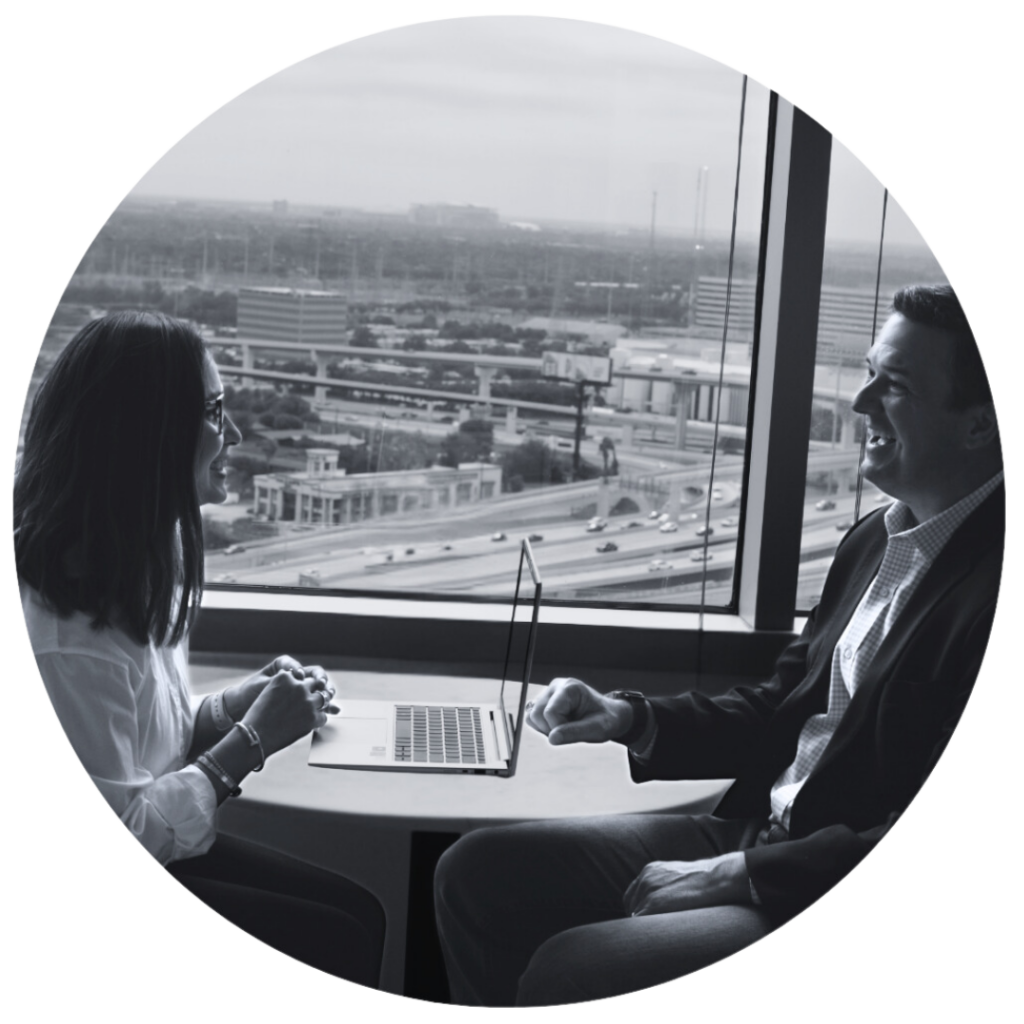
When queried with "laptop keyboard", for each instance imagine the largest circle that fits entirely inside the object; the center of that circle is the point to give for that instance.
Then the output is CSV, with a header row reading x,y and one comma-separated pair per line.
x,y
438,735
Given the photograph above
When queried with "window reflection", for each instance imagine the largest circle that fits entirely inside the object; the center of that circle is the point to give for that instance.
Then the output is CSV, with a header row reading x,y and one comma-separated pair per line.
x,y
381,329
867,258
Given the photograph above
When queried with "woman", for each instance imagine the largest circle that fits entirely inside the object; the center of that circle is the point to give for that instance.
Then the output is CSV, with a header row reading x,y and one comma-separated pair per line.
x,y
127,438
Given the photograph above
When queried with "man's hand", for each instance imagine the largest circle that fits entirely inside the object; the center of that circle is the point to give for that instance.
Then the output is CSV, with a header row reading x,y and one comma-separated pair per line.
x,y
665,886
569,711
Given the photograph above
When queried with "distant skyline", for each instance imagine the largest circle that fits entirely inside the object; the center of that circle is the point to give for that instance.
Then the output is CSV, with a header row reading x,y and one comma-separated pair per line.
x,y
542,119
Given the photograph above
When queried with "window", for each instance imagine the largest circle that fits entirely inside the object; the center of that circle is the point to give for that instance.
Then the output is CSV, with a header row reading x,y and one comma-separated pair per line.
x,y
386,365
609,210
871,250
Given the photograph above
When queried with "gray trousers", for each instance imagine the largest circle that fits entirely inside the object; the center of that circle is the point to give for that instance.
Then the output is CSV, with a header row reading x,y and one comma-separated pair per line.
x,y
531,914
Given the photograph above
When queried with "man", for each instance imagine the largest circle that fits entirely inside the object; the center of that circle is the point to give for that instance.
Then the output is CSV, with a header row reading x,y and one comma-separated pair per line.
x,y
825,755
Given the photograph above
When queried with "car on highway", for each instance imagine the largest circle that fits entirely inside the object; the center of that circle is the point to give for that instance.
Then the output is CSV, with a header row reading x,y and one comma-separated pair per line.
x,y
668,527
825,505
731,521
659,565
224,577
701,556
705,531
410,551
499,536
596,525
608,545
654,514
234,549
535,538
845,525
664,517
633,524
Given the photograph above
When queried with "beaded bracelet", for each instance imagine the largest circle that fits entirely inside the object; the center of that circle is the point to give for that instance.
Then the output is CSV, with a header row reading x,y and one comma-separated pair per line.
x,y
221,719
208,761
254,741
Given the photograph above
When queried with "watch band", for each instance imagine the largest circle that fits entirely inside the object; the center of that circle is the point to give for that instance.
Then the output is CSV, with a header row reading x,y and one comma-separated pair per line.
x,y
640,712
221,719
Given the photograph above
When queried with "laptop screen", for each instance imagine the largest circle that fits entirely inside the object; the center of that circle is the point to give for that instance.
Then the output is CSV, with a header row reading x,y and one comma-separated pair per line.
x,y
522,639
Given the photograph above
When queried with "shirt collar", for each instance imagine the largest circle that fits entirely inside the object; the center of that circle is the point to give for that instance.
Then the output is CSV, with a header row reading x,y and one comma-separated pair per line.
x,y
930,537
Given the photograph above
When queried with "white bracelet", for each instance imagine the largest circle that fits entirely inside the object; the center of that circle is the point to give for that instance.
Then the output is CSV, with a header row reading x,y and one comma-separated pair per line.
x,y
221,719
254,741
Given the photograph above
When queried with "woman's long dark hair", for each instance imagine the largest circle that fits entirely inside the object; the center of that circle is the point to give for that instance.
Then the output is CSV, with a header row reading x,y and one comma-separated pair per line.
x,y
106,512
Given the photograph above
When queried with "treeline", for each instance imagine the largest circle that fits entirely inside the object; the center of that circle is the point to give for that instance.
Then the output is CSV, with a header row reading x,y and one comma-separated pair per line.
x,y
530,463
521,272
268,408
218,309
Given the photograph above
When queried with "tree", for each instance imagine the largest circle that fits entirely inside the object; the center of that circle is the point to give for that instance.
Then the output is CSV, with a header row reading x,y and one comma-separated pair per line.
x,y
472,442
607,447
363,337
535,463
216,535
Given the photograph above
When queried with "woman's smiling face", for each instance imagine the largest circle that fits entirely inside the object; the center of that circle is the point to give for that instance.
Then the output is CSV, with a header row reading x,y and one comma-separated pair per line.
x,y
211,454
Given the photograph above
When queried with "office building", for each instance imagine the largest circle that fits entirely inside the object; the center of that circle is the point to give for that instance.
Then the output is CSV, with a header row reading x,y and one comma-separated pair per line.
x,y
292,314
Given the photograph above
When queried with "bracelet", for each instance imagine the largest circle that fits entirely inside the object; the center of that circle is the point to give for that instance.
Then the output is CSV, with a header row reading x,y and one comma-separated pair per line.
x,y
221,719
215,768
254,741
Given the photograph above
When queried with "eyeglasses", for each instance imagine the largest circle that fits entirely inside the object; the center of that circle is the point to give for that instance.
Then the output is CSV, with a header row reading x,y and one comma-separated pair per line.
x,y
214,412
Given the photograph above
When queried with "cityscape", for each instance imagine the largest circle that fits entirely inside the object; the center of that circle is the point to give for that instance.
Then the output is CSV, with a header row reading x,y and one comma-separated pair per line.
x,y
403,385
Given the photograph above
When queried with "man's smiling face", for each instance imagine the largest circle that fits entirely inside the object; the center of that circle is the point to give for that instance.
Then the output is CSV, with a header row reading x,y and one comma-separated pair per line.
x,y
918,446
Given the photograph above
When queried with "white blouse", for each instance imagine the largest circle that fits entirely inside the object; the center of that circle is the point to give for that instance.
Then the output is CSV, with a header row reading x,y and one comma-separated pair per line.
x,y
129,715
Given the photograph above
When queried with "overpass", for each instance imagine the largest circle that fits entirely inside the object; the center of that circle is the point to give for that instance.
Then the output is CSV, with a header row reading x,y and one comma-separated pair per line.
x,y
684,382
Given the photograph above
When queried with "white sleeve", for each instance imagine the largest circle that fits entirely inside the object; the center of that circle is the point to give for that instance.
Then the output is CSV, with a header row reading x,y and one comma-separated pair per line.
x,y
172,814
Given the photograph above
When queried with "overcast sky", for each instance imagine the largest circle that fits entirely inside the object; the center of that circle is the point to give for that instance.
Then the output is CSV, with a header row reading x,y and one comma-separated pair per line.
x,y
539,118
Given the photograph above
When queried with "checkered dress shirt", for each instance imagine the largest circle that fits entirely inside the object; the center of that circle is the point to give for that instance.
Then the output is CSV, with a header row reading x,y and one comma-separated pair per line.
x,y
910,550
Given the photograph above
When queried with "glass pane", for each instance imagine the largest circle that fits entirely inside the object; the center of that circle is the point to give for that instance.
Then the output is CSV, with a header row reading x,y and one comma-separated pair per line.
x,y
416,220
848,316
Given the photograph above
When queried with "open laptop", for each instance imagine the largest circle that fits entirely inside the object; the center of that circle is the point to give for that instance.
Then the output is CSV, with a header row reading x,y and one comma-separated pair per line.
x,y
421,735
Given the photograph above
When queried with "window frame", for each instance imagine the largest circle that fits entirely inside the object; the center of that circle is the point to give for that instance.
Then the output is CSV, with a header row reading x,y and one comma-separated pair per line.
x,y
765,578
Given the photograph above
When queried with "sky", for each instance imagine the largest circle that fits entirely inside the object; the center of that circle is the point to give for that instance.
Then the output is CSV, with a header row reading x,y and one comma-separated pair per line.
x,y
542,119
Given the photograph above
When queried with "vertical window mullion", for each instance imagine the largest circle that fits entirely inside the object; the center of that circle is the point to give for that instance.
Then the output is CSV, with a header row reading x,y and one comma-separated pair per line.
x,y
784,375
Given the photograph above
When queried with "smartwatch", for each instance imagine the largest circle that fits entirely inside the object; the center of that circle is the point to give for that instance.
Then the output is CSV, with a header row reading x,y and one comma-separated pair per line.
x,y
640,712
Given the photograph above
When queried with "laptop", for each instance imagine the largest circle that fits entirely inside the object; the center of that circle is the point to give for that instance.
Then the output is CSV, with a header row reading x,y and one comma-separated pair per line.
x,y
418,735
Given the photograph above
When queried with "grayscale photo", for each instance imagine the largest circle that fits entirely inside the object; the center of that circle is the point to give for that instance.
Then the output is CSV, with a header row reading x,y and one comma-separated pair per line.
x,y
509,511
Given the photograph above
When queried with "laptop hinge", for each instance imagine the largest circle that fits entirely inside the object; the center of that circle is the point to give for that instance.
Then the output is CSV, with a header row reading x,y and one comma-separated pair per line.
x,y
499,723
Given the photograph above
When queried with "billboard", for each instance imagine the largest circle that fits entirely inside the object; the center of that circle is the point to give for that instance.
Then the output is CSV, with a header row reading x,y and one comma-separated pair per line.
x,y
577,368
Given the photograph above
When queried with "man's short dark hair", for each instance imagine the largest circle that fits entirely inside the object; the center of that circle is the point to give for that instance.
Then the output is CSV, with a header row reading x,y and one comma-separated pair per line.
x,y
936,305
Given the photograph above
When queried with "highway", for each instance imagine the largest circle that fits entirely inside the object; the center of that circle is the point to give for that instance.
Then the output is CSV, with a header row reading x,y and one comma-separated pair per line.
x,y
463,557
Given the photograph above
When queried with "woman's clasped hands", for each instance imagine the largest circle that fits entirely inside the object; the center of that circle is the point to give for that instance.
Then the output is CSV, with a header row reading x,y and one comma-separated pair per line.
x,y
283,702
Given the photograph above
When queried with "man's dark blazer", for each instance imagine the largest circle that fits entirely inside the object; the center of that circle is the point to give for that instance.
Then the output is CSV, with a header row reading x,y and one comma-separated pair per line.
x,y
894,730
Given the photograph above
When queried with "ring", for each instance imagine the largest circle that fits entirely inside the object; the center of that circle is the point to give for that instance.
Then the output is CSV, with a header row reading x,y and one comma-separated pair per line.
x,y
529,705
327,700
